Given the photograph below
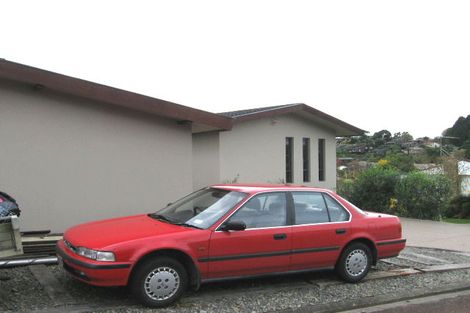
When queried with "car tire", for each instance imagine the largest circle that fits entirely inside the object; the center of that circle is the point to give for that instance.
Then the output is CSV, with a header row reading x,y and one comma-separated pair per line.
x,y
159,282
354,263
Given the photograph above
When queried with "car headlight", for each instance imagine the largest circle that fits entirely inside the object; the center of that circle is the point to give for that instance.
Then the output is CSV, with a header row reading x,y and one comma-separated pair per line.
x,y
96,255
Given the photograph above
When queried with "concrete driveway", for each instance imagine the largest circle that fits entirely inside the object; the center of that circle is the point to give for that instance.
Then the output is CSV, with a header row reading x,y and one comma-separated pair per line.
x,y
440,235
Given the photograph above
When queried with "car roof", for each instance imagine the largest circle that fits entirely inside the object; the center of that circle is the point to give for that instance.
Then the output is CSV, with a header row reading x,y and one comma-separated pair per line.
x,y
255,188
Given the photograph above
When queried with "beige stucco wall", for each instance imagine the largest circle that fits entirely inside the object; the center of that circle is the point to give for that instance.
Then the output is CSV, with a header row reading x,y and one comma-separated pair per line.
x,y
206,164
69,160
255,151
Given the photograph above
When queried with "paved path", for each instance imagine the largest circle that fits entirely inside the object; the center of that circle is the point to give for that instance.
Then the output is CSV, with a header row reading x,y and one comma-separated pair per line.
x,y
430,234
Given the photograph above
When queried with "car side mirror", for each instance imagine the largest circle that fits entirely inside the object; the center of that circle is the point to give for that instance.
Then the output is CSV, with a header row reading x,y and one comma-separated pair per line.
x,y
233,225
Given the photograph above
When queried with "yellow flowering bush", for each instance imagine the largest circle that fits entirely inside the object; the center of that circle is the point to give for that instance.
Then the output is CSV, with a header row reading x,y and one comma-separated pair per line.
x,y
383,163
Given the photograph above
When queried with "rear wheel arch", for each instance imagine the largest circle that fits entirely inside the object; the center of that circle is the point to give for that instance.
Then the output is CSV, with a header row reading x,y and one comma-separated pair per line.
x,y
178,255
369,243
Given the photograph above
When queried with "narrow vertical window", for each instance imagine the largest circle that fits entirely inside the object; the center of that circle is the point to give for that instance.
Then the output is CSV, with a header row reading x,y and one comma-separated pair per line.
x,y
321,159
306,158
289,159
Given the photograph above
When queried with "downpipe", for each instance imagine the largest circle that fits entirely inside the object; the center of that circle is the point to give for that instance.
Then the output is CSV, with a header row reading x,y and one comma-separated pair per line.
x,y
26,262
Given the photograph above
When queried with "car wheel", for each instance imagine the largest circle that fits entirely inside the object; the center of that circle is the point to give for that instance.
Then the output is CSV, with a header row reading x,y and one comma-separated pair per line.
x,y
354,263
159,282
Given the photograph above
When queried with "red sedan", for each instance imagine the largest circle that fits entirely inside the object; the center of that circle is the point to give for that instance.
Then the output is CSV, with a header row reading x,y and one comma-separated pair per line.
x,y
226,232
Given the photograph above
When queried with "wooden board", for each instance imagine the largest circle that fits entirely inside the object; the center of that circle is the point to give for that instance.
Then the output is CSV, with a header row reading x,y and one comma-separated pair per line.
x,y
10,237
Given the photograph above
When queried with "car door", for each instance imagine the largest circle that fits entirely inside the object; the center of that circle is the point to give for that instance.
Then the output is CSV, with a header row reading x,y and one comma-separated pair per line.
x,y
320,229
263,247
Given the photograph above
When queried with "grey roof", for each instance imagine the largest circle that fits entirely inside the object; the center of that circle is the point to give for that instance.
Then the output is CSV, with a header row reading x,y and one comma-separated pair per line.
x,y
239,113
341,128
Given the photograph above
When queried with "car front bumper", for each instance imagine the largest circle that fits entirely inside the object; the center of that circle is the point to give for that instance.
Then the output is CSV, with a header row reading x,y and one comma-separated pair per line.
x,y
93,272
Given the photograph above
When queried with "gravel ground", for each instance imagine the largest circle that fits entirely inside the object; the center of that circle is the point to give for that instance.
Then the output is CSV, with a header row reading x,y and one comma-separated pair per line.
x,y
450,256
272,300
20,291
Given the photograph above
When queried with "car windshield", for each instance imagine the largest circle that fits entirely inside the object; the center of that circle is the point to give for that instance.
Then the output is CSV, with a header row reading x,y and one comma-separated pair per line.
x,y
201,209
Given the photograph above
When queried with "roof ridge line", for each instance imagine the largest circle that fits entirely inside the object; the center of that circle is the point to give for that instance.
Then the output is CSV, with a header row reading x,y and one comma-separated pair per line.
x,y
259,110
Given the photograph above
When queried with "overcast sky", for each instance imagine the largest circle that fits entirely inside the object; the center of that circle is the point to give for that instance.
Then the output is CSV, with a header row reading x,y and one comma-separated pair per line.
x,y
396,65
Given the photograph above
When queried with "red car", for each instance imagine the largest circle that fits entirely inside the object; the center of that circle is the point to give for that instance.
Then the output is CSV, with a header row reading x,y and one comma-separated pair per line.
x,y
226,232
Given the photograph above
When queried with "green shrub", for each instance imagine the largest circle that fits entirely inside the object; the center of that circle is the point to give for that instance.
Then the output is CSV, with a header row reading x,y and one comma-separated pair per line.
x,y
416,195
459,207
344,187
373,189
423,196
402,162
466,209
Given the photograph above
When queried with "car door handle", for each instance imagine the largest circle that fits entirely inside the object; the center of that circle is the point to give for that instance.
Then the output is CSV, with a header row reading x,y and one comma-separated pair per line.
x,y
280,236
341,231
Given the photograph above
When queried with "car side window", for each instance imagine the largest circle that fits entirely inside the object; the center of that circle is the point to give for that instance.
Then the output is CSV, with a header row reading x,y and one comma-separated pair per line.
x,y
310,208
265,210
337,212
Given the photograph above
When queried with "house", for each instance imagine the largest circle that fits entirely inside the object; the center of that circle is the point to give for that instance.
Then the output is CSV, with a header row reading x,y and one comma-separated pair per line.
x,y
414,150
291,143
464,174
430,168
74,151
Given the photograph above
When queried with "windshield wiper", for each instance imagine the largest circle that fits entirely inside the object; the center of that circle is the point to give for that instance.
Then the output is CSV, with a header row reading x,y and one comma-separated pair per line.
x,y
188,225
161,218
168,220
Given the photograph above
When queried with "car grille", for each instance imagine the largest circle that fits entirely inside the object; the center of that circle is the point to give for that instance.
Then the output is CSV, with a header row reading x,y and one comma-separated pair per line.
x,y
70,246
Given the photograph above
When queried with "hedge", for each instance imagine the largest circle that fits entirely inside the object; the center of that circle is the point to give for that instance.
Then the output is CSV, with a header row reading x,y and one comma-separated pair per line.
x,y
372,189
383,189
422,195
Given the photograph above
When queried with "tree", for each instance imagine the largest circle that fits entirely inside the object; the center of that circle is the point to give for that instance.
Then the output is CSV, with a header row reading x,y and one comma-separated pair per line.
x,y
381,137
402,137
406,136
466,147
460,130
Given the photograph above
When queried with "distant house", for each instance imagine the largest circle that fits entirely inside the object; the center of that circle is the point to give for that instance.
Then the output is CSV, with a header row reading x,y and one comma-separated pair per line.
x,y
359,148
464,173
414,150
344,161
382,151
433,145
74,150
430,168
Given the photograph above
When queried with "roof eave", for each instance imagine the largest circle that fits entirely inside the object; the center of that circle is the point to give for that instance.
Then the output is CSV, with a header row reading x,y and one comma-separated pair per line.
x,y
340,127
85,89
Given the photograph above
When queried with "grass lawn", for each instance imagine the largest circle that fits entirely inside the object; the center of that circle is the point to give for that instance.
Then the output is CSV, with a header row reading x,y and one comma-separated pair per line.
x,y
457,220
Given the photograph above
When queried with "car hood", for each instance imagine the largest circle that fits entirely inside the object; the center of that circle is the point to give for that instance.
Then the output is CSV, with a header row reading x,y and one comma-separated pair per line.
x,y
104,233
